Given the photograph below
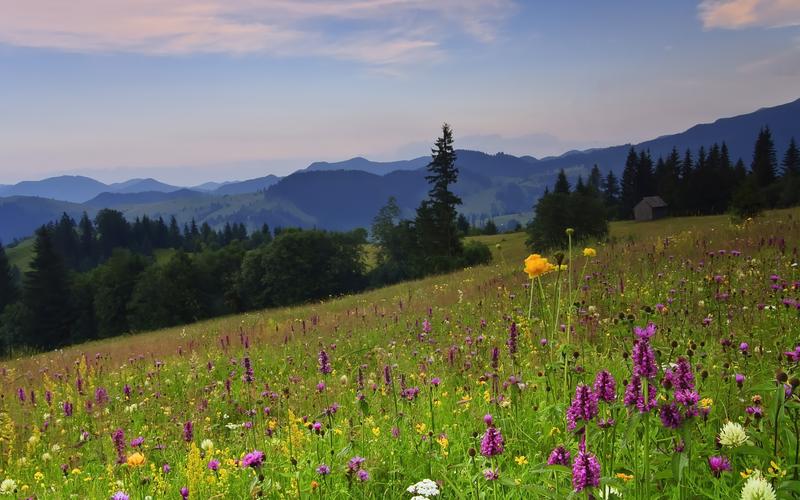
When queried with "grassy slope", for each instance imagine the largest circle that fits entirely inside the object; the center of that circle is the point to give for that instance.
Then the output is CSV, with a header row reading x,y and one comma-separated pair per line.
x,y
21,255
507,264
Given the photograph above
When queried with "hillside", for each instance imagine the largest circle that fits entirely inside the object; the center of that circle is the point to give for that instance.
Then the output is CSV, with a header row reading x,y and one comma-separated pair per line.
x,y
407,381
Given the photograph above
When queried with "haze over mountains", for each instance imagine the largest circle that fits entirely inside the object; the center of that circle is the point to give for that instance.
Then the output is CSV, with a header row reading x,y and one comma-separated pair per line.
x,y
347,194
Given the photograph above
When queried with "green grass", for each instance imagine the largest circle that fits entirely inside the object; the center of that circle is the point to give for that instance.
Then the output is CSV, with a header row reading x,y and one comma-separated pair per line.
x,y
21,255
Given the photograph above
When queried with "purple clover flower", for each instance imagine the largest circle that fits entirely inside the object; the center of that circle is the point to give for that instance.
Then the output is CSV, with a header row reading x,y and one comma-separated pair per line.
x,y
718,465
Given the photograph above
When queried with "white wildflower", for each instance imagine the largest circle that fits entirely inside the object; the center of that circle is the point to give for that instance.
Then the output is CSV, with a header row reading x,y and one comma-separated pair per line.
x,y
207,445
757,488
425,488
8,486
732,435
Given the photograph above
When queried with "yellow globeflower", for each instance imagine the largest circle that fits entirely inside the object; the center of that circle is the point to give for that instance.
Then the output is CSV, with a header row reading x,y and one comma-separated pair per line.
x,y
536,265
136,460
589,252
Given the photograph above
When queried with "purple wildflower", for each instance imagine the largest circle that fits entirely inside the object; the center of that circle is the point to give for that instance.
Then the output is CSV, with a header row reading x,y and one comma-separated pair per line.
x,y
718,465
248,376
670,415
354,464
253,459
559,456
323,470
634,395
362,475
324,363
491,474
492,442
120,495
67,409
644,359
585,471
584,406
184,493
135,443
118,437
680,377
605,387
646,332
513,338
188,431
213,465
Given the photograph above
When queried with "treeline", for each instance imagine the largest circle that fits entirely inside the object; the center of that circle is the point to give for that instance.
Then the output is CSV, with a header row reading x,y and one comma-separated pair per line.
x,y
100,278
583,209
707,181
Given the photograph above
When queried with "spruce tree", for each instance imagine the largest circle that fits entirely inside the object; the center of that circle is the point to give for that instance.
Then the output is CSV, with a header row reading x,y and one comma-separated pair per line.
x,y
46,296
630,193
562,184
611,190
791,160
8,287
437,215
765,163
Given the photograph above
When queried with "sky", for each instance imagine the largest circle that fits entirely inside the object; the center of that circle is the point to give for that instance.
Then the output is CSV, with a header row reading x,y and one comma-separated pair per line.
x,y
190,91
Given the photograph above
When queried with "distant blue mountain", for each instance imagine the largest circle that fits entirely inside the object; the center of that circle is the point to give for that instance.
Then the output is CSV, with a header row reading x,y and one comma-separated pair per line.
x,y
249,186
141,186
115,200
373,167
21,215
738,132
73,188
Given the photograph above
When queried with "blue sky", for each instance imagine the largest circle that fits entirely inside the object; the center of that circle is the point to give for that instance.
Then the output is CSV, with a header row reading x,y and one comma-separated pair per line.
x,y
189,91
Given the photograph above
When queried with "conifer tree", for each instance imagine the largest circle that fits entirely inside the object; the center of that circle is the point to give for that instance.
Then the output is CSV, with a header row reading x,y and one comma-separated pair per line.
x,y
791,160
436,216
765,163
562,184
46,296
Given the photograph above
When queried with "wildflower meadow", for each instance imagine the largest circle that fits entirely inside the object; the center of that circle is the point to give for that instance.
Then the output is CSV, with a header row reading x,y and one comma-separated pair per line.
x,y
661,365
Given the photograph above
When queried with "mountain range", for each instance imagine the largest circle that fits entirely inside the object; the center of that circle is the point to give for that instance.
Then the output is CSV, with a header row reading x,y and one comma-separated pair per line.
x,y
347,194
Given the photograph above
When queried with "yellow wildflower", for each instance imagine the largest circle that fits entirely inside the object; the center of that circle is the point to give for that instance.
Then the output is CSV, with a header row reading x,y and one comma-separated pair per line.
x,y
536,265
589,252
521,460
625,477
136,460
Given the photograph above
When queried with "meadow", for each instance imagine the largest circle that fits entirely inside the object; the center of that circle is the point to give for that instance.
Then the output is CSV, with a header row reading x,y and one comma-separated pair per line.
x,y
662,364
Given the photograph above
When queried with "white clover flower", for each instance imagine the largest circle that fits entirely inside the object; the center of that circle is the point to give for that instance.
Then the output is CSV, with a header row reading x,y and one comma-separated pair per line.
x,y
732,435
46,457
207,445
757,488
55,448
425,488
8,486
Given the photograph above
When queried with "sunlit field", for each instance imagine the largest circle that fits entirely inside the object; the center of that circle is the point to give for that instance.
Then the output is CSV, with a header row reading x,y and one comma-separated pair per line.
x,y
664,366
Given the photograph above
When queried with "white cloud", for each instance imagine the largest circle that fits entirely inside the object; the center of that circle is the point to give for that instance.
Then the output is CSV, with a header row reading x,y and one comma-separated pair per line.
x,y
377,32
736,14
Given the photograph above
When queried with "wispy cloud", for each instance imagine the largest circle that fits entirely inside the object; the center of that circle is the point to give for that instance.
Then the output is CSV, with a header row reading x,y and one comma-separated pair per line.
x,y
375,32
736,14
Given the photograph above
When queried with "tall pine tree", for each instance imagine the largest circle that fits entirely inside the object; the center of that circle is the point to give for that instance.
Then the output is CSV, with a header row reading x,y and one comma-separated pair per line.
x,y
765,163
436,216
791,160
46,296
